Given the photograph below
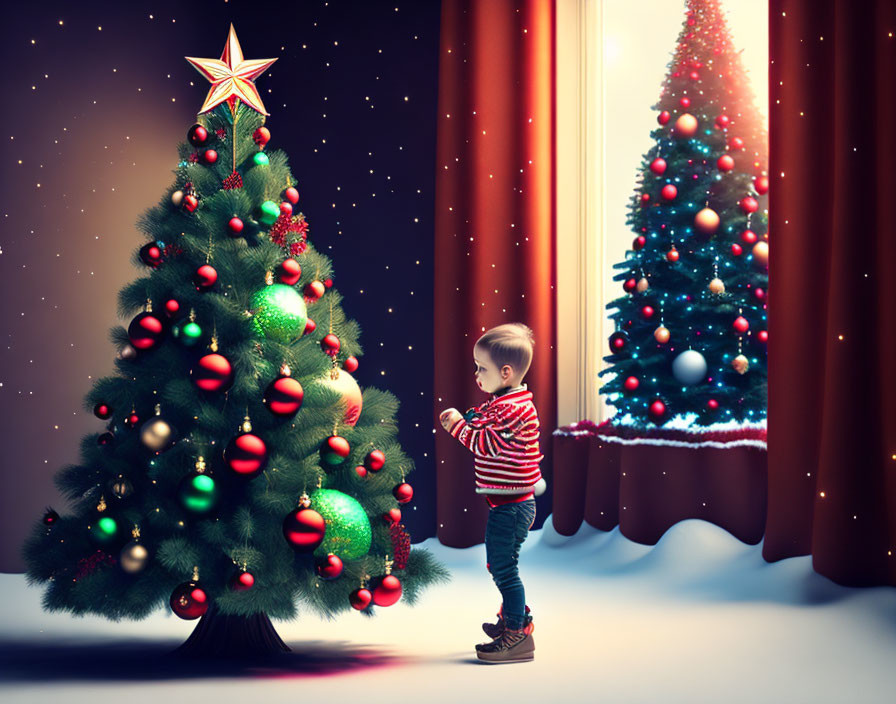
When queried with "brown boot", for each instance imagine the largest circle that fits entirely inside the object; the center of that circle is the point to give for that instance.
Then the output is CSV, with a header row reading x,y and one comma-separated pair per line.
x,y
493,630
510,646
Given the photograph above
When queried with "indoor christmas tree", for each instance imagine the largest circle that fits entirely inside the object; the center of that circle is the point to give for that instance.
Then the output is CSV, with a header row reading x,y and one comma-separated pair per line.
x,y
242,470
691,333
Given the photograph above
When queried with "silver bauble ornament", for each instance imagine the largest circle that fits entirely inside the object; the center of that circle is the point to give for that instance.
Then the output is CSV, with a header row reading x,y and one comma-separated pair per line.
x,y
689,367
540,487
177,198
127,351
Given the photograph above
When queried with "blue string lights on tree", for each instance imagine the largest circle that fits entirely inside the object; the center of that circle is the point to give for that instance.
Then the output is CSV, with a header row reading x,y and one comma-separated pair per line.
x,y
689,348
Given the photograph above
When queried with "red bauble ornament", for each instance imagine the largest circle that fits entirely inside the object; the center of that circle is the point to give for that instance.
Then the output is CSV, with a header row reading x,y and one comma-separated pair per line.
x,y
189,601
242,581
761,185
329,567
685,102
361,471
658,166
639,242
350,364
328,282
749,205
286,208
618,341
762,335
669,192
722,121
310,326
631,383
205,277
151,254
386,590
647,312
664,117
629,285
314,290
393,515
304,529
284,396
246,455
672,255
741,324
657,411
403,492
712,404
145,331
261,136
235,225
105,439
736,249
213,372
375,460
725,162
645,198
191,202
210,156
197,135
736,143
102,411
172,307
748,236
330,344
334,450
289,272
131,420
360,598
759,293
292,195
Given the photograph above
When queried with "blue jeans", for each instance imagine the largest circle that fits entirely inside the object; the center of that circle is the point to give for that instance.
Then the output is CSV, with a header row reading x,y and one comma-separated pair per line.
x,y
508,526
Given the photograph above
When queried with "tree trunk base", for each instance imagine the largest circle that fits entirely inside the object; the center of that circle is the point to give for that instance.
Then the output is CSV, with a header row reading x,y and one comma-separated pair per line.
x,y
223,635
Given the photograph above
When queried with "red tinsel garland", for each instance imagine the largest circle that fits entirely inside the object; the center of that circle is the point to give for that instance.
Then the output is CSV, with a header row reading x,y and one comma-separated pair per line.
x,y
88,565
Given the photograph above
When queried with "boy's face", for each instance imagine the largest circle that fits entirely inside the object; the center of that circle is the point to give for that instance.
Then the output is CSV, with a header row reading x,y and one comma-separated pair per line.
x,y
488,377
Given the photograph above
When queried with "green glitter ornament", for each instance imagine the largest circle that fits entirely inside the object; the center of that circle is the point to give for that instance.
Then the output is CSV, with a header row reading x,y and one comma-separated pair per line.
x,y
261,159
270,211
104,530
348,528
198,491
279,313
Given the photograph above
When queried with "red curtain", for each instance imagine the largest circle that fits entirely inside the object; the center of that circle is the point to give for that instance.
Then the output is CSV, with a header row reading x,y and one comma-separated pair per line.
x,y
494,223
832,334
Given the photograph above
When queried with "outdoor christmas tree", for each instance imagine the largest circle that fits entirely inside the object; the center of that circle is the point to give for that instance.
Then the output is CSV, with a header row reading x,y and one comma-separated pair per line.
x,y
690,341
242,470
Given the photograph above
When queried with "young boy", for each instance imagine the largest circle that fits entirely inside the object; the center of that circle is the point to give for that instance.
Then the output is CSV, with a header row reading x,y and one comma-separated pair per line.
x,y
503,436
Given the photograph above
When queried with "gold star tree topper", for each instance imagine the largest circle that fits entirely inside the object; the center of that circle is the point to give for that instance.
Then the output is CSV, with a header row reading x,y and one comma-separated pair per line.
x,y
231,77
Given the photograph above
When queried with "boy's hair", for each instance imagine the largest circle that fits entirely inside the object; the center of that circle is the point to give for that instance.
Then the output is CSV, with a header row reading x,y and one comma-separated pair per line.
x,y
510,343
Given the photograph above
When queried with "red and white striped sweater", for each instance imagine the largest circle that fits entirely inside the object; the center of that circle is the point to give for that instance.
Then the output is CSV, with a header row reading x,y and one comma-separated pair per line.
x,y
504,442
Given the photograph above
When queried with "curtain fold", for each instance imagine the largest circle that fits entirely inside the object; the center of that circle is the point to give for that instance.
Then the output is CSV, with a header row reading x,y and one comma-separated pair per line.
x,y
495,258
832,345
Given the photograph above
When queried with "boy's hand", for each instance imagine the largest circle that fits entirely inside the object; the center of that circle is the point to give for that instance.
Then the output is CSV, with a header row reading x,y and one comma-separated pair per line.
x,y
449,417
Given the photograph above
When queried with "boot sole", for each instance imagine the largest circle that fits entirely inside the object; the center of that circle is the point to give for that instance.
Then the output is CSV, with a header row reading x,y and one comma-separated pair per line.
x,y
524,657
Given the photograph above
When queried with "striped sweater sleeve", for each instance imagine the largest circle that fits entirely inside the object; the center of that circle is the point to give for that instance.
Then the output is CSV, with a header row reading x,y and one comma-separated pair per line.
x,y
489,435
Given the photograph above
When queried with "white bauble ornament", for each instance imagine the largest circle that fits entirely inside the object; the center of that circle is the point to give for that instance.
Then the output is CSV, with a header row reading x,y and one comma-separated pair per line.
x,y
689,367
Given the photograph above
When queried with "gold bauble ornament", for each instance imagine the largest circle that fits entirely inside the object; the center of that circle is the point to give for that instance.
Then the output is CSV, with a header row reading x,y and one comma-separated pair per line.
x,y
707,221
642,285
133,557
741,364
717,286
662,335
121,487
686,125
760,252
155,433
177,198
350,393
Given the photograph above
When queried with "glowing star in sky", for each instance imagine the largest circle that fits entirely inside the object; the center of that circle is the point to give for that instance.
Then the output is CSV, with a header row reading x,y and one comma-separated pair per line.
x,y
231,77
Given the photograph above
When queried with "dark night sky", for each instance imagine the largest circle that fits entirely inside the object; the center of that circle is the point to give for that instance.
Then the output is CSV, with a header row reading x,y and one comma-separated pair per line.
x,y
97,97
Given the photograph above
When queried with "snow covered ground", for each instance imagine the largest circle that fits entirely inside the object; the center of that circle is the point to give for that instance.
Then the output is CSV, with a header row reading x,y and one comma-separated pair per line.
x,y
699,617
